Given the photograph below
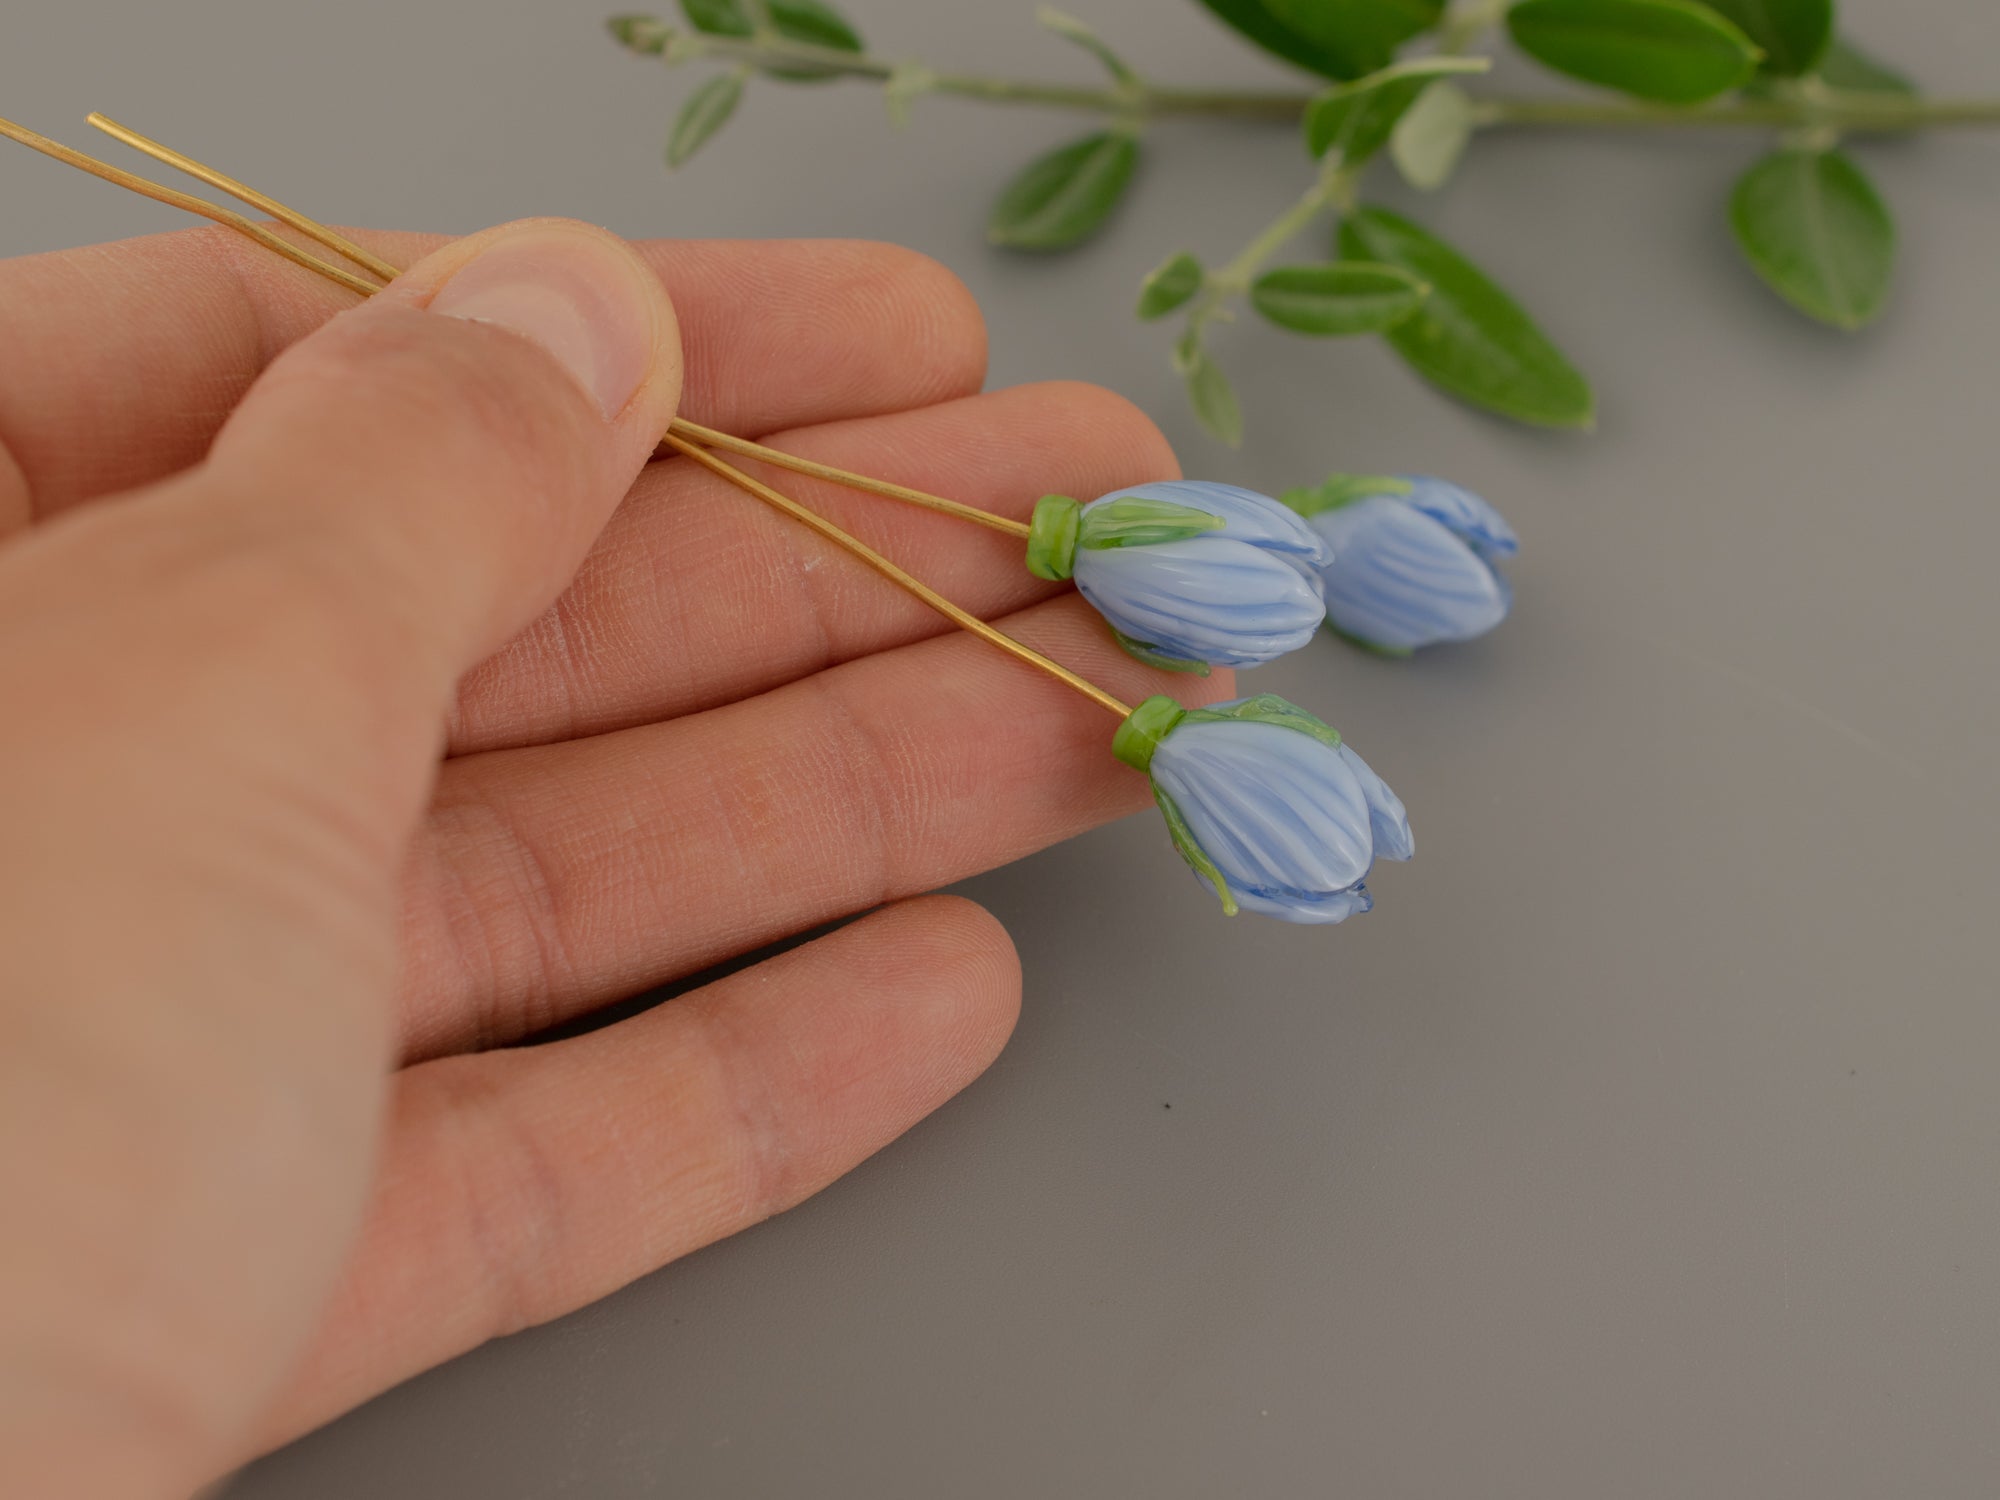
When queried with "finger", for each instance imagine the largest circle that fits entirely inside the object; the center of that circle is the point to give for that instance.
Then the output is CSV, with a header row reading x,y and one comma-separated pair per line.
x,y
551,880
698,595
124,360
519,1185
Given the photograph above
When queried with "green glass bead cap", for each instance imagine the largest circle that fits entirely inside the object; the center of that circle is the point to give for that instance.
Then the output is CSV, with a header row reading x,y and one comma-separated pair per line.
x,y
1140,735
1052,537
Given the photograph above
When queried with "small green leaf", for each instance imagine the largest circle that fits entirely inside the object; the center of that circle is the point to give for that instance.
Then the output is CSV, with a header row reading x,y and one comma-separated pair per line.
x,y
1169,285
707,110
1071,29
906,83
1356,119
1814,227
1135,521
1337,299
1792,33
1432,135
1470,337
1361,35
718,17
643,34
1063,198
1154,657
810,21
1673,51
814,22
1848,68
1333,38
1209,393
1343,489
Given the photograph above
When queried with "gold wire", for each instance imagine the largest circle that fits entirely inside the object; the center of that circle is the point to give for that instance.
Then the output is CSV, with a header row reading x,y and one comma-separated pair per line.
x,y
889,570
748,449
311,228
674,439
368,260
186,201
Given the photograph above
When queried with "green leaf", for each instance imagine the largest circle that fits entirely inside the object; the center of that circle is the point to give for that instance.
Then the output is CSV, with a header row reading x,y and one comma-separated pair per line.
x,y
1673,51
814,22
718,17
1209,393
1135,521
1063,198
1793,34
1355,119
707,110
1470,337
1169,285
640,33
1343,489
1432,135
1154,657
1362,35
1333,38
1250,18
1071,29
810,21
1847,67
1337,299
1814,227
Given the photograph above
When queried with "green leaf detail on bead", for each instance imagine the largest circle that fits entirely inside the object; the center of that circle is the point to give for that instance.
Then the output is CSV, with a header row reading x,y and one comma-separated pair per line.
x,y
1134,521
1189,850
1373,648
1269,708
1342,489
1154,657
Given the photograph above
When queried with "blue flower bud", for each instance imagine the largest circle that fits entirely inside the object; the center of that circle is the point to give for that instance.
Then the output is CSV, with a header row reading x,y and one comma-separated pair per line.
x,y
1412,560
1266,804
1188,573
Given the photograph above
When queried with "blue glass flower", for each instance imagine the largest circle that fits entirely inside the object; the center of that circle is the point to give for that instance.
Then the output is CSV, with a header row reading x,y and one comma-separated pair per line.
x,y
1188,573
1412,559
1267,805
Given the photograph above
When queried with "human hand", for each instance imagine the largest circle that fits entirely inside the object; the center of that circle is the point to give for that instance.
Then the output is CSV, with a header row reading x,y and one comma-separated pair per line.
x,y
352,731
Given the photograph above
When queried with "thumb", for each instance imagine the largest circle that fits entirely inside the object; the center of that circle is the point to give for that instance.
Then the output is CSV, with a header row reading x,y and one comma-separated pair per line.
x,y
449,450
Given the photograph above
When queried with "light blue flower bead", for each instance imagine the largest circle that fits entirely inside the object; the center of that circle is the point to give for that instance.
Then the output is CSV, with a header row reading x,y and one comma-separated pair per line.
x,y
1412,559
1267,805
1188,573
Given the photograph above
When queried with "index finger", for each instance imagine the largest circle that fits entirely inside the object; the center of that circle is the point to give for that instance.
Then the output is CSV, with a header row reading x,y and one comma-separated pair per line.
x,y
124,359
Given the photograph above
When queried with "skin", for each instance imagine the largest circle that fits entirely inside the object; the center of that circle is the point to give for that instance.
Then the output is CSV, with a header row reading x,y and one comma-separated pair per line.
x,y
369,704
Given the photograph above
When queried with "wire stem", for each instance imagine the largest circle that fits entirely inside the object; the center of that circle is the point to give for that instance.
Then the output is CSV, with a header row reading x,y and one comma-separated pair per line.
x,y
962,618
694,430
187,201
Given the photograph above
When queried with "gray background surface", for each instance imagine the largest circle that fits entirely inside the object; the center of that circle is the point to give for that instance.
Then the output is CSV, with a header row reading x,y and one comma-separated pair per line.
x,y
1643,1142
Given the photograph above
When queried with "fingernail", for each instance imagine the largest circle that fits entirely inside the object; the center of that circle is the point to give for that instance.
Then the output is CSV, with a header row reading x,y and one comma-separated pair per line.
x,y
576,294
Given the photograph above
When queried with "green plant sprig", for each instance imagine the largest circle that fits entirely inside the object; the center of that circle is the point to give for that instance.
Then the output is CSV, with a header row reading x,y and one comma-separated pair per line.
x,y
1806,217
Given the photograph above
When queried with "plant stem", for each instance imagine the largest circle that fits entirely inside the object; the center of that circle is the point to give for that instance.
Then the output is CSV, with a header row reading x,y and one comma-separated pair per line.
x,y
1332,188
1840,110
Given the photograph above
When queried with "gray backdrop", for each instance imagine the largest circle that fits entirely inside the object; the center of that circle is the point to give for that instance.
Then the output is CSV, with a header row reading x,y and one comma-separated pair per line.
x,y
1642,1143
